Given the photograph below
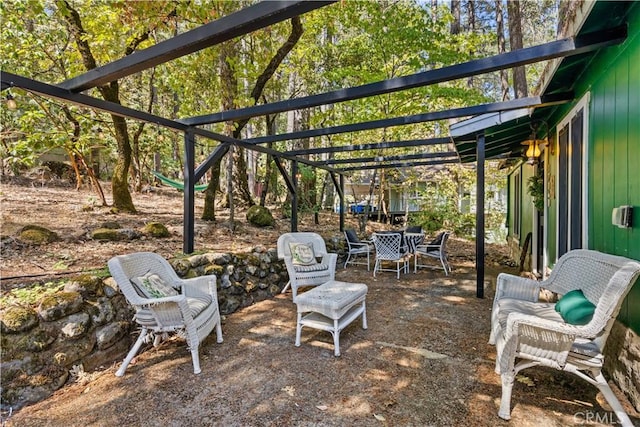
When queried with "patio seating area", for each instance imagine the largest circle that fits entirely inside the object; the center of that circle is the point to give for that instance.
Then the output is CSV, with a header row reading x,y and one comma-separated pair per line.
x,y
414,365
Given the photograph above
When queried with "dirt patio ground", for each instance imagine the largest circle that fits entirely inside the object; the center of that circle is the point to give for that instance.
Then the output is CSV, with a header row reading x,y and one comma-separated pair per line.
x,y
423,361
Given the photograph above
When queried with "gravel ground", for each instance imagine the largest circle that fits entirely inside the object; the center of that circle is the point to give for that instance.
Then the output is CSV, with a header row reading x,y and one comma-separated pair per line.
x,y
423,361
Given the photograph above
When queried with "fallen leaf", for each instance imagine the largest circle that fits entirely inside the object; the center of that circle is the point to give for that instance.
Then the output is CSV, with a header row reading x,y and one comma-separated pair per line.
x,y
525,380
379,417
322,407
290,390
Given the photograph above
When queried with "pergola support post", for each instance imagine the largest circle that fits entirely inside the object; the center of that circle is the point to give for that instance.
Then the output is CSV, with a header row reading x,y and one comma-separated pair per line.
x,y
294,197
189,192
480,216
341,194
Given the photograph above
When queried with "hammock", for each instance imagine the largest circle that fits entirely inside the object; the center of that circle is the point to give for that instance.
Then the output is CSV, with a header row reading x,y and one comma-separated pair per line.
x,y
177,184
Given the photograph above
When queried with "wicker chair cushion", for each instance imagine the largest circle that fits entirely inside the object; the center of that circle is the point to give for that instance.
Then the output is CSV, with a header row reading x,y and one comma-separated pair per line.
x,y
575,308
145,316
152,286
310,268
302,253
198,304
437,241
513,305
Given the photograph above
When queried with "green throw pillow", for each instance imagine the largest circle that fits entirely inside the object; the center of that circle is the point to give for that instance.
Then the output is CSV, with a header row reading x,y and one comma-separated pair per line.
x,y
152,286
575,308
302,253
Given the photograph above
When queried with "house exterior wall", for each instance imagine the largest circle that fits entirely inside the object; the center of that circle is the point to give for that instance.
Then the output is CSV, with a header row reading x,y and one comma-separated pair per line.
x,y
612,86
613,152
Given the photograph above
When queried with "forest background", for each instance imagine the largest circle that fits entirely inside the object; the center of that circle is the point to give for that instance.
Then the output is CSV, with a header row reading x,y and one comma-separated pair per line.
x,y
348,43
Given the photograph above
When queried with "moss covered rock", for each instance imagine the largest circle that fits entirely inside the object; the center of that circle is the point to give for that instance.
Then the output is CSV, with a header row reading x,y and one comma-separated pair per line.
x,y
17,319
85,284
37,234
260,216
58,305
107,234
155,229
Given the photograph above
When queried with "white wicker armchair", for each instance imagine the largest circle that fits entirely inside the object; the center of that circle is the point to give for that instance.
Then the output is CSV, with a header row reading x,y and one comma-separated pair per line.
x,y
533,332
314,273
194,310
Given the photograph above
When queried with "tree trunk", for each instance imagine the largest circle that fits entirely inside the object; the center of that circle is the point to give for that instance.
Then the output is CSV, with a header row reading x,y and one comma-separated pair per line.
x,y
455,11
136,161
270,125
504,79
256,93
471,13
209,211
229,93
367,207
120,188
515,39
119,181
230,185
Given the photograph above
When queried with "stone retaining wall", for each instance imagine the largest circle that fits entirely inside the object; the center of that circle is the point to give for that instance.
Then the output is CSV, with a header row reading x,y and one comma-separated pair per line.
x,y
622,362
88,322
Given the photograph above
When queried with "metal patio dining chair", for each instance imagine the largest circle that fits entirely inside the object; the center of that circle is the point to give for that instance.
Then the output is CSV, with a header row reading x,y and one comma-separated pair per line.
x,y
437,249
356,247
390,248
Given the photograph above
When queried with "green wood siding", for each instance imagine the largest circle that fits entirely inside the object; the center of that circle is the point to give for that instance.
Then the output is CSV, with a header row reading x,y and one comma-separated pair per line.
x,y
525,202
614,153
527,205
613,158
551,166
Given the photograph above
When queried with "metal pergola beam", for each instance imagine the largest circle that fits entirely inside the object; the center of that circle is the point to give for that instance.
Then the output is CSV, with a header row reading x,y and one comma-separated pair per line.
x,y
248,19
14,80
534,101
399,165
379,159
372,146
556,49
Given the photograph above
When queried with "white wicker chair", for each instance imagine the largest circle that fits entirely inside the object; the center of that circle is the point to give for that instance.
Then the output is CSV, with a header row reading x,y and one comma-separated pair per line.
x,y
435,249
306,275
533,332
194,311
390,248
356,247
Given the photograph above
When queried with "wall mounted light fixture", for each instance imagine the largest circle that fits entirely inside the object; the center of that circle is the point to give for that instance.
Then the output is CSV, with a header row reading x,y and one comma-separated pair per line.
x,y
534,145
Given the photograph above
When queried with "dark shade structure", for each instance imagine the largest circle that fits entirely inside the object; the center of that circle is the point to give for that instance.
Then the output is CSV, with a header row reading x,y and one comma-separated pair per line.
x,y
495,133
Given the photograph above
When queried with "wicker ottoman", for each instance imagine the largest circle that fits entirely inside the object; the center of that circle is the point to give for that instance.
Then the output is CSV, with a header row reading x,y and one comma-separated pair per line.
x,y
331,307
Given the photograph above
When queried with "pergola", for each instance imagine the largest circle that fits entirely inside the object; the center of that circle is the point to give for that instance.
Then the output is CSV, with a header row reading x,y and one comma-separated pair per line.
x,y
472,143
